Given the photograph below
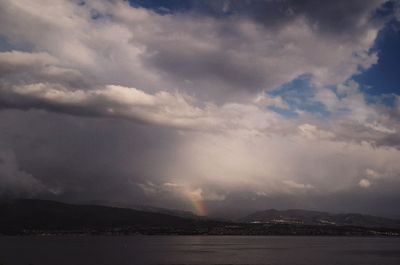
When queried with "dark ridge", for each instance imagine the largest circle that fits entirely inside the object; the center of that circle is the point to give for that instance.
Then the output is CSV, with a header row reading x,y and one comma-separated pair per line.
x,y
42,217
31,214
305,217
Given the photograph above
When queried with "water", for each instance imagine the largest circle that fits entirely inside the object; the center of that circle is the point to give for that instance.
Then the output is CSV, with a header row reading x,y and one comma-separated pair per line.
x,y
198,250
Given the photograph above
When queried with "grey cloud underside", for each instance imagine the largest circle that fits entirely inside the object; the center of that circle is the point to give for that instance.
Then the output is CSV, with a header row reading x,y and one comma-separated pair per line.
x,y
82,159
276,13
176,111
337,19
160,108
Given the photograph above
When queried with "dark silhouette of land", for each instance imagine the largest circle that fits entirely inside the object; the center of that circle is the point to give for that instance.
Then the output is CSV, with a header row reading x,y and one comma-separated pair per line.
x,y
42,217
305,217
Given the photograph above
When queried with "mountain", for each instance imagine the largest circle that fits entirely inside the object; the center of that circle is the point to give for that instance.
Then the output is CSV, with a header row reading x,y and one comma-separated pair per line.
x,y
30,215
43,217
145,208
305,217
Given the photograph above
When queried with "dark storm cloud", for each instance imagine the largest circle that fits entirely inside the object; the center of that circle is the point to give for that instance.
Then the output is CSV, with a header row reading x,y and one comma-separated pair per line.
x,y
332,17
216,67
81,159
329,17
229,54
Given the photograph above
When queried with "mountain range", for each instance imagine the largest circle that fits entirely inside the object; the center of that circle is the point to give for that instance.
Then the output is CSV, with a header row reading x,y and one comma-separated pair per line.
x,y
43,215
32,216
305,217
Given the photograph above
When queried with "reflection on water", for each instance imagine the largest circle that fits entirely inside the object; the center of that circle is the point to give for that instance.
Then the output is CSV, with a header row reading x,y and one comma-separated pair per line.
x,y
198,250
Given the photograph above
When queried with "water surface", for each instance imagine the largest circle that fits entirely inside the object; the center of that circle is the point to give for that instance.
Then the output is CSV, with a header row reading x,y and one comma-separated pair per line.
x,y
198,250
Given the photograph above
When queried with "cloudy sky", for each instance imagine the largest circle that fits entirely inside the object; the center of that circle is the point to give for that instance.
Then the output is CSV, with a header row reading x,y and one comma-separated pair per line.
x,y
217,107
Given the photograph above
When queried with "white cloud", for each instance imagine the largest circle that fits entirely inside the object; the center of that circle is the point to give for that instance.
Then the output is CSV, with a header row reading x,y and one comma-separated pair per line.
x,y
14,60
312,132
161,108
372,174
17,66
271,101
364,183
294,185
380,128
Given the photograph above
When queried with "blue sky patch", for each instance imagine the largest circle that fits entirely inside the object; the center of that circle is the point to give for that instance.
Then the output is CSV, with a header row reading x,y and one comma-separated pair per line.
x,y
384,77
163,7
298,94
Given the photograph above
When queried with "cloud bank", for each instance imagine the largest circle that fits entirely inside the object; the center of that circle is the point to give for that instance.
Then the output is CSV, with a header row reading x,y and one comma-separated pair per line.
x,y
102,100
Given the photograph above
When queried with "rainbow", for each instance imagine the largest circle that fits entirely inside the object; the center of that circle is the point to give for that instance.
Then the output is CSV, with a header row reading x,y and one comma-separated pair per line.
x,y
199,207
197,202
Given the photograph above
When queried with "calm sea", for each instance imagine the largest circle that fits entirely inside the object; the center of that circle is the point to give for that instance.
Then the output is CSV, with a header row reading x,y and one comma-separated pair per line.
x,y
132,250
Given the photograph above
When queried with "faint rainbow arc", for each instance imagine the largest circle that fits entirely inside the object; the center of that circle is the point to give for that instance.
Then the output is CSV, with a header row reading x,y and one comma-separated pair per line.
x,y
197,203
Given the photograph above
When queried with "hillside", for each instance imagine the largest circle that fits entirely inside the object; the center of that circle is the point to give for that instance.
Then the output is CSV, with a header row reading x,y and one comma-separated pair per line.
x,y
319,218
42,217
26,215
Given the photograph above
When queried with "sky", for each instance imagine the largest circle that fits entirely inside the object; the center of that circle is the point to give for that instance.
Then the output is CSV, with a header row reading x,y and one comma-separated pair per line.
x,y
219,107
